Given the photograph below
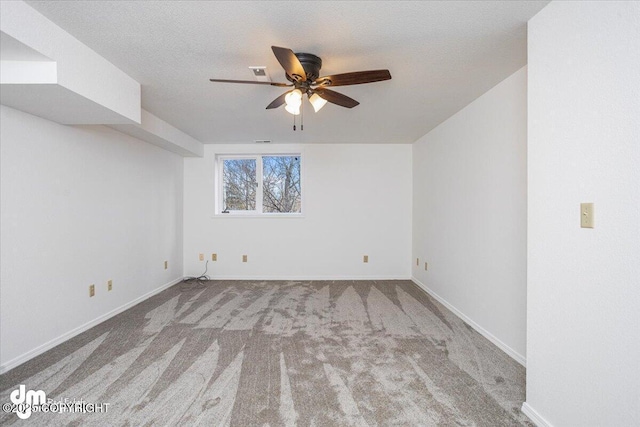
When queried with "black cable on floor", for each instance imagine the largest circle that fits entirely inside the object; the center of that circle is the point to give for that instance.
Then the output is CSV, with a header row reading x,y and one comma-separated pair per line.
x,y
191,283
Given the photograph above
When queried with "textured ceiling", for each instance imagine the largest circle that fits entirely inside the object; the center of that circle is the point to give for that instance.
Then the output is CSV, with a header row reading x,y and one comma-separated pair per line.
x,y
442,55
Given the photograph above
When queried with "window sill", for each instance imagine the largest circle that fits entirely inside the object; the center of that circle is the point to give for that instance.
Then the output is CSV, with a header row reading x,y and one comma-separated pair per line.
x,y
274,215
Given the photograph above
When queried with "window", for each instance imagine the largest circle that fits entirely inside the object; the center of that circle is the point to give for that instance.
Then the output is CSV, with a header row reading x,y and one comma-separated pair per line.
x,y
259,184
239,184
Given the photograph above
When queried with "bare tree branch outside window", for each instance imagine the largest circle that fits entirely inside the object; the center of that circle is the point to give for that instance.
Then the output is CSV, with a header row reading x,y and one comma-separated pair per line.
x,y
281,184
239,181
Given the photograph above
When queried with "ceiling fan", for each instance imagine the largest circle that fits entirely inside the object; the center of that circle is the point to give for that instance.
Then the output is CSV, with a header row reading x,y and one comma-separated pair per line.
x,y
303,71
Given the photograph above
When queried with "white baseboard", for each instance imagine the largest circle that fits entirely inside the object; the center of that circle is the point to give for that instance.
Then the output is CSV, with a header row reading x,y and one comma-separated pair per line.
x,y
72,333
488,335
307,278
534,416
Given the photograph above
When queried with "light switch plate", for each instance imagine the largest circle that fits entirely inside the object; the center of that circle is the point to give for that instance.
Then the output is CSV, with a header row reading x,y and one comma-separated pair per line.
x,y
586,215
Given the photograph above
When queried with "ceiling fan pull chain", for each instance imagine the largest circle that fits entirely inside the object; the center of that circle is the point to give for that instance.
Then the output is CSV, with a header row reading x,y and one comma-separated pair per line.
x,y
302,117
294,122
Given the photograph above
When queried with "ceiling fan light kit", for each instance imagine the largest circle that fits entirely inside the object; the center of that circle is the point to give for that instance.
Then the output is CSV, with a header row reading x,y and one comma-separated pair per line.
x,y
317,102
303,71
295,110
293,101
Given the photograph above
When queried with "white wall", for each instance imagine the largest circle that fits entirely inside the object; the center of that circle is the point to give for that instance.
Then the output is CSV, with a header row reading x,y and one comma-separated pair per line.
x,y
469,213
583,325
357,201
80,205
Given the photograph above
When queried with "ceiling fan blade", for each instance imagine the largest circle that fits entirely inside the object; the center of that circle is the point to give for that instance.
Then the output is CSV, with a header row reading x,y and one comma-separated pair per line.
x,y
355,78
290,63
251,82
278,101
336,98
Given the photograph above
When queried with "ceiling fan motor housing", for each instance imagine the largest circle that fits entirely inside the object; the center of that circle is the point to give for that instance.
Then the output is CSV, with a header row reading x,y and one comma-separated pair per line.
x,y
311,64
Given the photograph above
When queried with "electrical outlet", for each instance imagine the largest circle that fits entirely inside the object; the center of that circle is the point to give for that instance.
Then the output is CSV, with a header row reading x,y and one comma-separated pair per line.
x,y
92,290
417,261
244,258
166,265
201,257
586,215
365,258
214,257
109,284
426,266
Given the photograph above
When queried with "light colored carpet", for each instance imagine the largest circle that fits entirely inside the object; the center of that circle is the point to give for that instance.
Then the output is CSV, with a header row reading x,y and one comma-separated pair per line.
x,y
247,353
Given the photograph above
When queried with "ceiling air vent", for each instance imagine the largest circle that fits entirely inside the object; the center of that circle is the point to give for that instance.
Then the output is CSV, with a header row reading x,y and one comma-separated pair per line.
x,y
260,74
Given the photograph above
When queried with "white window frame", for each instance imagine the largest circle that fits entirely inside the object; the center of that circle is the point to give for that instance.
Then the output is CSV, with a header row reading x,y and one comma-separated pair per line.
x,y
219,190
